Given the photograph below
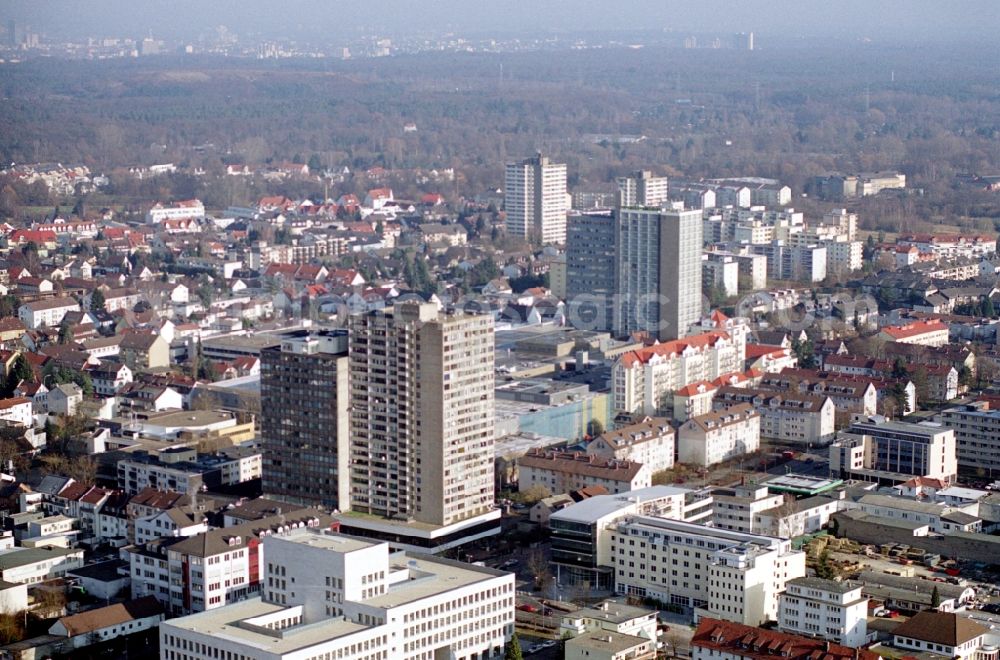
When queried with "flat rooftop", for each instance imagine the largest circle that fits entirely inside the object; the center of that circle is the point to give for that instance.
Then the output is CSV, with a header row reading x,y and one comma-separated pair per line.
x,y
519,443
429,576
611,610
334,542
802,484
223,623
256,342
594,508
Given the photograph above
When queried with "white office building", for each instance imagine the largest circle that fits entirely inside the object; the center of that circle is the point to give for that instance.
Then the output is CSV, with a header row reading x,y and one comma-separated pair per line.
x,y
825,608
735,508
717,573
332,596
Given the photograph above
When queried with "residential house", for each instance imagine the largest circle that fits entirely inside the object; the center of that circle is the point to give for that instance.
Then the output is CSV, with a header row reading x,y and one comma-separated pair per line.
x,y
718,436
46,313
144,351
64,398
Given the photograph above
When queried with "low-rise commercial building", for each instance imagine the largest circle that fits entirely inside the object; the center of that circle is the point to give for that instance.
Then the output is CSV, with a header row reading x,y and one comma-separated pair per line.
x,y
735,508
877,448
610,616
31,565
941,633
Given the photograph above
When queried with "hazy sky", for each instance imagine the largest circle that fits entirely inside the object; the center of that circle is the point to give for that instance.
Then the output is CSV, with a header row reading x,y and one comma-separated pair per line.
x,y
911,21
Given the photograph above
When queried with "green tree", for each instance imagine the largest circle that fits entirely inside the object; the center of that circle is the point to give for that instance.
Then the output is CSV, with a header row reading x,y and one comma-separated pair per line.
x,y
595,428
965,376
10,203
935,598
823,568
65,333
315,164
20,371
989,310
97,301
8,306
512,649
805,351
56,375
205,294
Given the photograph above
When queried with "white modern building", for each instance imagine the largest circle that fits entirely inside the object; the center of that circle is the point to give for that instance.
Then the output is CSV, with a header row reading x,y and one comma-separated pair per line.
x,y
535,199
719,436
581,542
333,596
825,608
716,573
735,508
875,444
611,616
31,565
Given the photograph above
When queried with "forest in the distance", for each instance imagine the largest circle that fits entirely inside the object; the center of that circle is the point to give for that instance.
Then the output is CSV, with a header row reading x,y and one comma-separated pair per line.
x,y
790,114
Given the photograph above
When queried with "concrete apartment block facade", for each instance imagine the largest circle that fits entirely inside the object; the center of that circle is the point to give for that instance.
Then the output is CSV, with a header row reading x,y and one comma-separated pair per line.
x,y
422,414
535,199
304,419
658,281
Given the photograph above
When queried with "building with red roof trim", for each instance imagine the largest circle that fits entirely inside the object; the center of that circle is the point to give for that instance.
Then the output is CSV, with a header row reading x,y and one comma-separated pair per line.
x,y
725,640
645,380
929,332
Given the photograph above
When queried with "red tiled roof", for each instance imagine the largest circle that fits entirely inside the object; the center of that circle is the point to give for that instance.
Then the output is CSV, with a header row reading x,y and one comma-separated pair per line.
x,y
760,350
730,638
914,329
675,347
696,388
15,401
